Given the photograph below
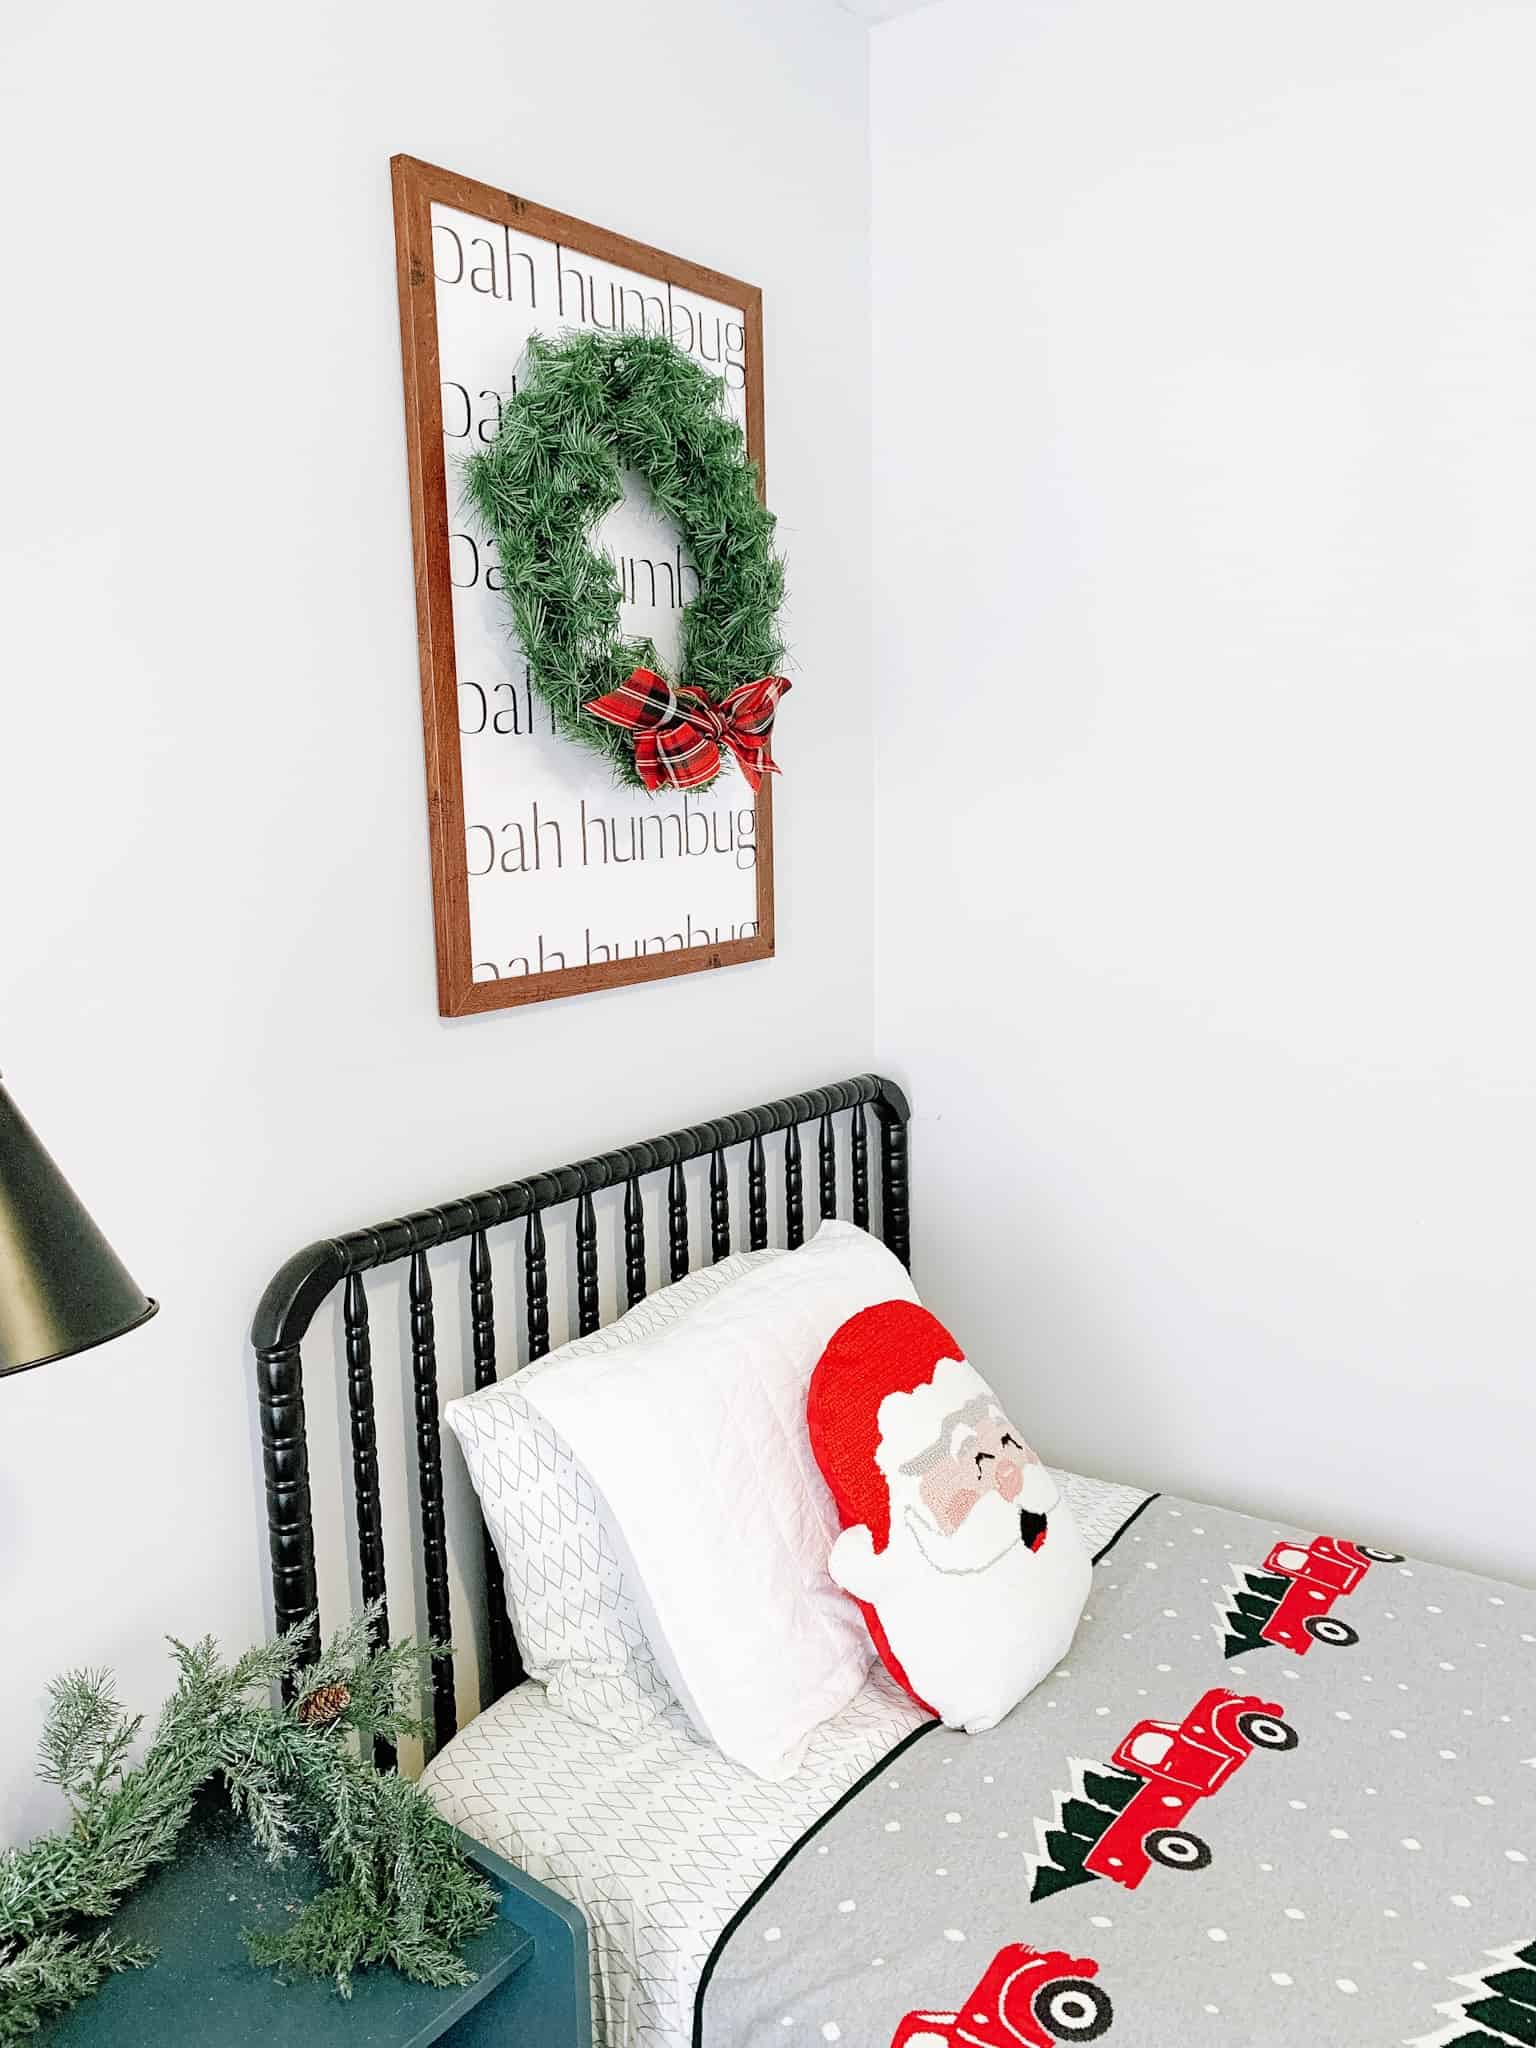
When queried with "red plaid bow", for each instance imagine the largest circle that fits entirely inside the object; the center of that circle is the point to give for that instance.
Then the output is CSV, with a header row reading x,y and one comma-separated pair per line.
x,y
679,733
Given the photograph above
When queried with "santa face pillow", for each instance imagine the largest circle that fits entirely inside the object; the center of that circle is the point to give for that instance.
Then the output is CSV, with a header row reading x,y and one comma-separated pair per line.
x,y
955,1541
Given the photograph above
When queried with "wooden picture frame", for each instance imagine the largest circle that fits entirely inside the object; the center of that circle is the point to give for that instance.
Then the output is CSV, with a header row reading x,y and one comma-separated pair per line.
x,y
463,987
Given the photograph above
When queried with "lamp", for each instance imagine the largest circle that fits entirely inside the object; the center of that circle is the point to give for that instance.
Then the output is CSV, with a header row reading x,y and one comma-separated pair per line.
x,y
62,1287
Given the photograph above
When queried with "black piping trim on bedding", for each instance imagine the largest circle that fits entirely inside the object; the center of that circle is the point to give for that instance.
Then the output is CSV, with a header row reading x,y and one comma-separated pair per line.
x,y
1100,1555
766,1883
731,1925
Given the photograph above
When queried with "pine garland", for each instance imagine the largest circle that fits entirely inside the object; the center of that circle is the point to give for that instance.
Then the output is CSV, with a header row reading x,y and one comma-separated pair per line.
x,y
399,1891
590,407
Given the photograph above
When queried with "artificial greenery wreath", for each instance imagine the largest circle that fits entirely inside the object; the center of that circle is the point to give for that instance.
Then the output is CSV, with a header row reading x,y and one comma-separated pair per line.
x,y
590,407
398,1891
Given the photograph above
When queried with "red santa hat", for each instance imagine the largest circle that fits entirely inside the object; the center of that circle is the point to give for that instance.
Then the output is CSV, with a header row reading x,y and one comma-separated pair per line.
x,y
893,1348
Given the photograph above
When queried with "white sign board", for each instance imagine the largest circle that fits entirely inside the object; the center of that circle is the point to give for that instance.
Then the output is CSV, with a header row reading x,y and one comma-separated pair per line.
x,y
548,878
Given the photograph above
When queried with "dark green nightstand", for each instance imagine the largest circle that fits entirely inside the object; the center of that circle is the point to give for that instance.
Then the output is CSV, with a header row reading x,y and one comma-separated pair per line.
x,y
531,1990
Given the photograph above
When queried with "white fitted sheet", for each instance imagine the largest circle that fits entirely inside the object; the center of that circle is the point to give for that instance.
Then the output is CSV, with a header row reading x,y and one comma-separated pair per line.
x,y
658,1838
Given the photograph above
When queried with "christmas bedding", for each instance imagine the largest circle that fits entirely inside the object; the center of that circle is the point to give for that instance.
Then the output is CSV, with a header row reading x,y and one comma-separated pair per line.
x,y
1282,1791
656,1835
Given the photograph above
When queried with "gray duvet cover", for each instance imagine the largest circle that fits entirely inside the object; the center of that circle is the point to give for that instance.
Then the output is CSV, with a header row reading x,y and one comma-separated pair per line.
x,y
1282,1794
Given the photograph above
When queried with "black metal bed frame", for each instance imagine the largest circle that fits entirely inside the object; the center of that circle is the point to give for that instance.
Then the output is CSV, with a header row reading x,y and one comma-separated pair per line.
x,y
300,1287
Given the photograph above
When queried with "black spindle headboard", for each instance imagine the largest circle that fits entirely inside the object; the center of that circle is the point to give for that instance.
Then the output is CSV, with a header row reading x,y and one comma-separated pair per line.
x,y
300,1287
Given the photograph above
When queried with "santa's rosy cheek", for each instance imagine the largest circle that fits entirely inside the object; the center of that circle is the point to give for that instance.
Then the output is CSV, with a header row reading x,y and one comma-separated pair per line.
x,y
957,1505
1007,1478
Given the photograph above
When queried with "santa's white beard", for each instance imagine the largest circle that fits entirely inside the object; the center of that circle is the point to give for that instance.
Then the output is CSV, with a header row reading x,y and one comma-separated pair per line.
x,y
974,1638
990,1529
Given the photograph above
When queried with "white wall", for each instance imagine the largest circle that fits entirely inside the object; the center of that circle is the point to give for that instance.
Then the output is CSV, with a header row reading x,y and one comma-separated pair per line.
x,y
1205,430
216,982
1205,623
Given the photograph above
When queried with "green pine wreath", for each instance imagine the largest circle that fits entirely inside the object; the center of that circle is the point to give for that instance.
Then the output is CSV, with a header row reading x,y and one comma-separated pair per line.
x,y
590,407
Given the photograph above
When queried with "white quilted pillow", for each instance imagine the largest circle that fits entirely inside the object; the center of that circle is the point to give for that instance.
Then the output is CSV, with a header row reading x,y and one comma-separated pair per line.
x,y
575,1616
696,1444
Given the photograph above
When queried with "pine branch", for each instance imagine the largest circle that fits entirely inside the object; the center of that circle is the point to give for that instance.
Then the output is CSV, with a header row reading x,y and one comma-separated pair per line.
x,y
86,1735
400,1891
41,1978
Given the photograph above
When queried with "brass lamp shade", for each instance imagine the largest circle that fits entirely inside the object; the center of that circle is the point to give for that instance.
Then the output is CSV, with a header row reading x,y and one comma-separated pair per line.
x,y
62,1287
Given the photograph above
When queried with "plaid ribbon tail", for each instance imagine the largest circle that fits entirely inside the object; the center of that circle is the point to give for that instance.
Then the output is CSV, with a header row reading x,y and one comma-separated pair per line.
x,y
681,757
749,713
646,764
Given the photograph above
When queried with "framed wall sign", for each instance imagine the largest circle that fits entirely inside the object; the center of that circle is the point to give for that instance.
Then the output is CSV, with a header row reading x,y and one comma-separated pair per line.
x,y
547,879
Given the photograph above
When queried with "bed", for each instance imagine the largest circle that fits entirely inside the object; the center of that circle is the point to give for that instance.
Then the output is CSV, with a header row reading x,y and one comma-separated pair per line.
x,y
1282,1789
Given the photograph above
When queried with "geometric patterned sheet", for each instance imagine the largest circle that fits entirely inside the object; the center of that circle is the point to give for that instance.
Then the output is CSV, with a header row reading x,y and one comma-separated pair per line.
x,y
578,1626
658,1838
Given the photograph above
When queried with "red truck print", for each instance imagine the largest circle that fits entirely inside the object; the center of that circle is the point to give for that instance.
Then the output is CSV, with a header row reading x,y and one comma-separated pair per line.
x,y
1133,1815
1289,1600
1034,1996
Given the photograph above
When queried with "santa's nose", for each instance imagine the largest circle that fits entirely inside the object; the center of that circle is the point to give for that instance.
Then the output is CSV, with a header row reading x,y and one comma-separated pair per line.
x,y
1008,1477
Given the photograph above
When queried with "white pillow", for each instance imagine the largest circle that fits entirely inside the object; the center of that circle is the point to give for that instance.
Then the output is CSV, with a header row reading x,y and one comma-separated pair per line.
x,y
574,1614
696,1441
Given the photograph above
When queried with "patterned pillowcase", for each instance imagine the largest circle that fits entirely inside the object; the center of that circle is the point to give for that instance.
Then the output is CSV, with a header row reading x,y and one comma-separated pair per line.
x,y
575,1617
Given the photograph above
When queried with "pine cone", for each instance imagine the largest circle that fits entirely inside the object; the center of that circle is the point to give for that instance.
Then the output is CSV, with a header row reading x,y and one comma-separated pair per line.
x,y
325,1703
